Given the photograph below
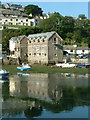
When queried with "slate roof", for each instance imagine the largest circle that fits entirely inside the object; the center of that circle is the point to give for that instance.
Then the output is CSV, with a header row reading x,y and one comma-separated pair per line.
x,y
42,36
69,47
18,38
13,12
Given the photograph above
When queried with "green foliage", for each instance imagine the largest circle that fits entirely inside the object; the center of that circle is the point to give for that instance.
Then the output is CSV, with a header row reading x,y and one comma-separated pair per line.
x,y
73,31
82,16
8,33
33,9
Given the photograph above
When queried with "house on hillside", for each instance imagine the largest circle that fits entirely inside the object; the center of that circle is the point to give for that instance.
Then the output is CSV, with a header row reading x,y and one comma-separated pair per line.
x,y
14,6
45,48
76,50
15,17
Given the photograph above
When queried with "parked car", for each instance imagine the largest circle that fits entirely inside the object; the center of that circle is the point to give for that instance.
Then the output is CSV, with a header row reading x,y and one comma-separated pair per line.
x,y
88,66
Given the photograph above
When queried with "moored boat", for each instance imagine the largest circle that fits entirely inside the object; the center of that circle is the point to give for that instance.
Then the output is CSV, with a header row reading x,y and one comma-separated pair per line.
x,y
24,67
65,65
22,74
4,74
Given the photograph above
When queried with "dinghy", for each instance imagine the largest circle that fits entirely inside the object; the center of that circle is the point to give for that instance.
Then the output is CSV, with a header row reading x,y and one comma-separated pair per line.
x,y
24,67
4,74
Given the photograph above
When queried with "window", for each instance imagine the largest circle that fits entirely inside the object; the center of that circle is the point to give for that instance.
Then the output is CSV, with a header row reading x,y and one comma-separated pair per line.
x,y
29,41
33,40
16,19
54,40
43,40
82,50
21,21
11,19
55,54
36,24
29,53
45,54
13,52
39,53
26,24
55,48
31,23
26,20
38,40
34,53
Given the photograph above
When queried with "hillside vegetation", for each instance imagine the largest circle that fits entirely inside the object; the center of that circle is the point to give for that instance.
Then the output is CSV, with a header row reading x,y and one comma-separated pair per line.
x,y
72,31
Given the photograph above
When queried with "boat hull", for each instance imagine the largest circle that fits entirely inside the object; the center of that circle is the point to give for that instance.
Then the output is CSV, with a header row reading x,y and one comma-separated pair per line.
x,y
23,69
4,74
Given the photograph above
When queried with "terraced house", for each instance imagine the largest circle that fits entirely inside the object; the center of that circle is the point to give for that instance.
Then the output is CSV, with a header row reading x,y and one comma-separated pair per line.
x,y
11,17
45,48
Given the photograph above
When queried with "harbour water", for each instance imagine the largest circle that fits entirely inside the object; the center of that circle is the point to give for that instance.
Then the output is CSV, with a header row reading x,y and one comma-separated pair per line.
x,y
41,95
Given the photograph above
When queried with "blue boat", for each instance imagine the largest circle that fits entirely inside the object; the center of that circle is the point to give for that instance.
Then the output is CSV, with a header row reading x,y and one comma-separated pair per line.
x,y
81,65
22,74
4,74
24,67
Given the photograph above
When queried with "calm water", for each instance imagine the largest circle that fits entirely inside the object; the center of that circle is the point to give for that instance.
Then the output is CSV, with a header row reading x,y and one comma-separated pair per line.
x,y
45,96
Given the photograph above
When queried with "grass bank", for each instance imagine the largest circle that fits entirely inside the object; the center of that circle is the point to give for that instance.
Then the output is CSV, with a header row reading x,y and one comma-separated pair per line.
x,y
46,69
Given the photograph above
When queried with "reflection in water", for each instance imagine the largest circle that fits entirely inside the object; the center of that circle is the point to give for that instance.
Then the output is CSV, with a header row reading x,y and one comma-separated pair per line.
x,y
54,92
36,86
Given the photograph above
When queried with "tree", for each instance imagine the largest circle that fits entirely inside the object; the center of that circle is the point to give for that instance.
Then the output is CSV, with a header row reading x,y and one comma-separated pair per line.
x,y
33,9
52,24
82,16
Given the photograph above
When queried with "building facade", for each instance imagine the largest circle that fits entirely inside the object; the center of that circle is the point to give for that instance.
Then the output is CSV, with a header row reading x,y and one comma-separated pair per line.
x,y
10,17
76,50
15,46
45,48
40,48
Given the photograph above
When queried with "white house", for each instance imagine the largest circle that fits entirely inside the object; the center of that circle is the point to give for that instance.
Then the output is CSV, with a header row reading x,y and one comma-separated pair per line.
x,y
76,50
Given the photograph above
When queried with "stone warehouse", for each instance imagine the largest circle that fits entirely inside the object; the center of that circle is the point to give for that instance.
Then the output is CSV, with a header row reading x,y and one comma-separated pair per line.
x,y
45,48
40,48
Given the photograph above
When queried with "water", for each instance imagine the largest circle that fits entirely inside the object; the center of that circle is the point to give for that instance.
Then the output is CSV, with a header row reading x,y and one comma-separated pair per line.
x,y
45,96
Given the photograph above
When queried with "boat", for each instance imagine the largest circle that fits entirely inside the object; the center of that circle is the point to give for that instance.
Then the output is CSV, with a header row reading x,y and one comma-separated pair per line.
x,y
80,65
4,74
66,65
22,74
24,67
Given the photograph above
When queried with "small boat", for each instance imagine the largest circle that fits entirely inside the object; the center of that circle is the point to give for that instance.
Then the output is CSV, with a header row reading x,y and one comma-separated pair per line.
x,y
24,67
4,74
80,65
22,74
66,65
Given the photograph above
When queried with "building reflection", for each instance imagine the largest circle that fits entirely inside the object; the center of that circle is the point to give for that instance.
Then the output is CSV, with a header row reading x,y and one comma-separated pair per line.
x,y
37,86
48,87
30,95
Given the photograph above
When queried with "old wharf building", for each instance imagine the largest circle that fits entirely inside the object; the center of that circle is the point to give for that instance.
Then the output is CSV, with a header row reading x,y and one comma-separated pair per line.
x,y
45,48
40,48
